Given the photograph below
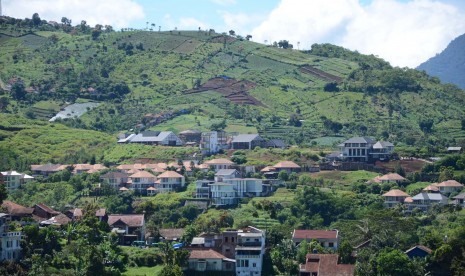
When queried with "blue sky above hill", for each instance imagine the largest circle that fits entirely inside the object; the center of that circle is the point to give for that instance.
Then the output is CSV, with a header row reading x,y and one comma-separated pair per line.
x,y
403,32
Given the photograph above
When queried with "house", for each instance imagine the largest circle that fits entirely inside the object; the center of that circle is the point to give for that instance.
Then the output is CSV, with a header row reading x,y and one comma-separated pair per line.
x,y
328,239
418,251
214,141
10,241
449,186
171,234
115,179
459,199
13,180
47,169
226,174
202,188
454,149
58,220
325,265
424,201
219,164
223,193
230,191
170,181
365,149
163,138
394,197
287,166
209,260
431,188
141,180
249,251
389,178
16,211
247,141
43,212
88,168
77,213
128,227
151,191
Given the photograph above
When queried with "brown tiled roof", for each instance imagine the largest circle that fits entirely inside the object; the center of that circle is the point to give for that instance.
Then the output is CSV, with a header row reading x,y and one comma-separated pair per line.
x,y
142,174
123,189
326,265
205,254
315,234
47,209
396,192
286,165
170,174
171,234
431,187
114,175
101,212
129,220
449,183
16,209
221,161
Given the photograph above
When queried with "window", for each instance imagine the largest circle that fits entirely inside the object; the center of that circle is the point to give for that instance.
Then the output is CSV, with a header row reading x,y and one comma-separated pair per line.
x,y
232,239
225,239
254,264
331,244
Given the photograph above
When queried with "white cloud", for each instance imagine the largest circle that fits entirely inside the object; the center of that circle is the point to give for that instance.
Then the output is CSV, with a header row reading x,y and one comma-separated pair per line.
x,y
404,33
224,2
241,22
183,23
117,13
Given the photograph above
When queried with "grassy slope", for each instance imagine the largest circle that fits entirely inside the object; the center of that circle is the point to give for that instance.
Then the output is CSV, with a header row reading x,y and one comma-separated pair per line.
x,y
169,64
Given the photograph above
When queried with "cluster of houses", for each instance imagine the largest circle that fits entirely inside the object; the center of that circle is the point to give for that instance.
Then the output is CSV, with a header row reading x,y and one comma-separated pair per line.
x,y
209,142
434,194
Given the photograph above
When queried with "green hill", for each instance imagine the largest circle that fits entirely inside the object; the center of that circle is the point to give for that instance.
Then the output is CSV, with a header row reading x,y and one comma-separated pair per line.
x,y
197,79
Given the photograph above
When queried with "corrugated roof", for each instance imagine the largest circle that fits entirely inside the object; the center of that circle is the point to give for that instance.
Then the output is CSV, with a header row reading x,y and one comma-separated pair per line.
x,y
226,172
246,138
430,196
367,140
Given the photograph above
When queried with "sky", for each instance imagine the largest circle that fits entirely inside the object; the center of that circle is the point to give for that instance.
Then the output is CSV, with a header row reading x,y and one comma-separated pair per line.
x,y
403,32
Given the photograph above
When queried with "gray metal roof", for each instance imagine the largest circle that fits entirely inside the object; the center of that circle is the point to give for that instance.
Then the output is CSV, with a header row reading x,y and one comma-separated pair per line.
x,y
382,145
150,137
225,172
454,148
367,140
246,138
430,196
459,196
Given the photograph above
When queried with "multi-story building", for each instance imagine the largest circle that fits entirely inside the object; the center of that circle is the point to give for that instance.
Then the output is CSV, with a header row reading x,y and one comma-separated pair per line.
x,y
141,181
231,190
214,141
202,189
223,194
365,149
13,180
394,197
424,201
10,240
219,164
115,179
249,251
169,181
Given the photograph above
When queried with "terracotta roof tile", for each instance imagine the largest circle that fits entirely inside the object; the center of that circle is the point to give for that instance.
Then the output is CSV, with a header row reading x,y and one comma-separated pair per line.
x,y
315,234
142,174
449,183
205,254
170,174
286,164
221,161
129,220
396,192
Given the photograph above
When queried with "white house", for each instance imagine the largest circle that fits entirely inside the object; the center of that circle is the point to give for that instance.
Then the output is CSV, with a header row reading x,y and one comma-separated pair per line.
x,y
115,179
226,174
202,188
128,227
13,180
365,149
169,181
10,241
219,164
212,142
249,251
449,186
141,181
230,191
328,239
246,187
209,260
424,201
223,193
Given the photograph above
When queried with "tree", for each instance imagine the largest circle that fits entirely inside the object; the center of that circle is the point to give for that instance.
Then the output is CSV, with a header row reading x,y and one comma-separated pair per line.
x,y
18,91
399,170
283,175
248,37
36,19
393,262
66,21
463,124
331,87
426,125
345,252
294,120
4,103
446,173
232,33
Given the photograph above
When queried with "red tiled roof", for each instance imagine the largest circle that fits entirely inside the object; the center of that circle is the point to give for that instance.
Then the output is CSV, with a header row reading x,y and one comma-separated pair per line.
x,y
142,174
129,220
449,183
286,164
326,265
396,192
315,234
47,209
205,254
221,161
408,199
392,177
431,187
16,209
268,169
170,174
